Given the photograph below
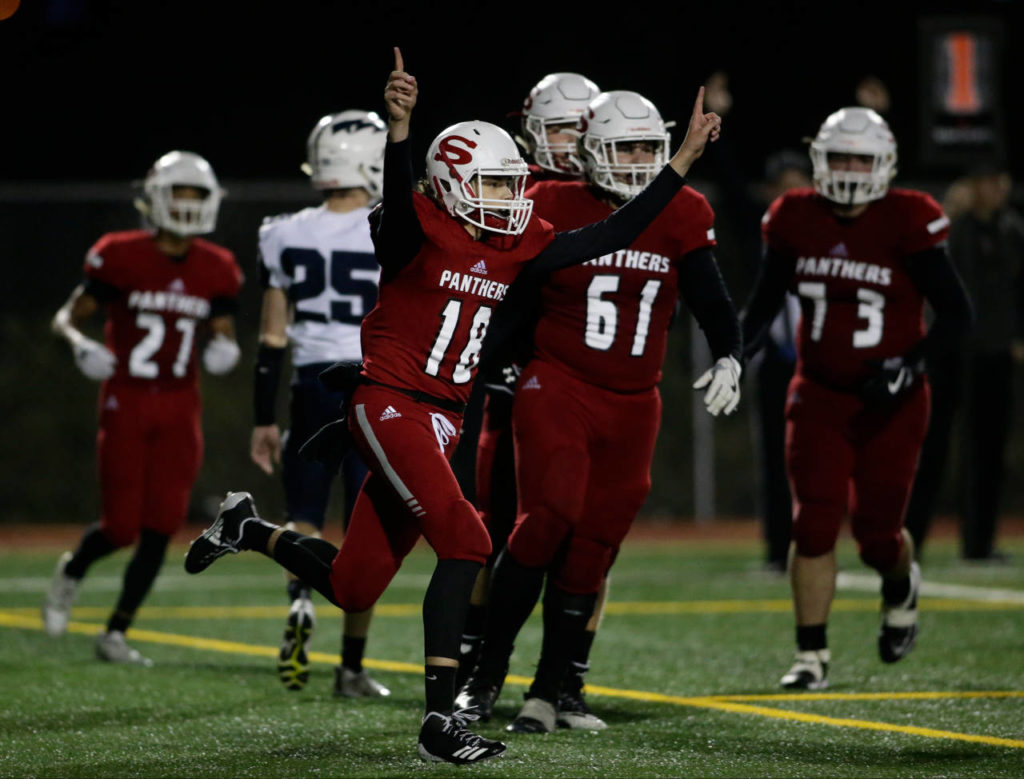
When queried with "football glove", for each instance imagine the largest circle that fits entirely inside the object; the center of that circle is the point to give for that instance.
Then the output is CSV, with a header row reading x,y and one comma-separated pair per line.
x,y
221,354
894,377
94,359
723,386
506,382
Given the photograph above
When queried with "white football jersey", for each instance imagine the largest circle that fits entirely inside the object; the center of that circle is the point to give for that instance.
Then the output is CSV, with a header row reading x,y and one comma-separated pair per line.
x,y
324,262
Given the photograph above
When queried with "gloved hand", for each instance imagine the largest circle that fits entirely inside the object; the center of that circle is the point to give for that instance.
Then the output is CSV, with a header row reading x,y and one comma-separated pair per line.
x,y
723,384
94,359
506,382
221,354
895,376
329,445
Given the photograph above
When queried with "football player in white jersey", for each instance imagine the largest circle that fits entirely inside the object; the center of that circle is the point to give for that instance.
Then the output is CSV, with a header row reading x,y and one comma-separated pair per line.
x,y
320,279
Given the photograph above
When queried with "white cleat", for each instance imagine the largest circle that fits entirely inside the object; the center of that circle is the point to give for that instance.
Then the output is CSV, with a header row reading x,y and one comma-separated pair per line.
x,y
60,599
809,672
350,684
112,647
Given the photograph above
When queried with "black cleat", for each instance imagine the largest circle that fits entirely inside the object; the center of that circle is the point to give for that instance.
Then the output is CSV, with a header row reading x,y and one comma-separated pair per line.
x,y
479,695
444,738
898,632
575,714
224,535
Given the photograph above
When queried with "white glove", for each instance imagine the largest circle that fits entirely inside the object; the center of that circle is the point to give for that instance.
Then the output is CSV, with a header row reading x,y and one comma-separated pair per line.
x,y
723,383
221,355
94,359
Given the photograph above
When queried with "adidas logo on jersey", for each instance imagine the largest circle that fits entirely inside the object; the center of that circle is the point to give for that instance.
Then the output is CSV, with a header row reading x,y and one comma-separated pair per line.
x,y
389,413
531,383
176,286
480,268
839,250
112,404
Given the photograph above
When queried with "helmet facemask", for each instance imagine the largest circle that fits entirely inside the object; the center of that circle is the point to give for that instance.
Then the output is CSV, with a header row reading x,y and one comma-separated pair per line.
x,y
164,204
621,178
558,157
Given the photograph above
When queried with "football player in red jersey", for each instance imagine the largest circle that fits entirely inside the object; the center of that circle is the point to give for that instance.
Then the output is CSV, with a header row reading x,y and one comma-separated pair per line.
x,y
164,291
548,135
599,341
447,258
863,258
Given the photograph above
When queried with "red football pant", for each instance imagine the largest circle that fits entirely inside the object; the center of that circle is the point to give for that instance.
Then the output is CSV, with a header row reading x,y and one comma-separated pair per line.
x,y
583,468
842,457
149,448
410,491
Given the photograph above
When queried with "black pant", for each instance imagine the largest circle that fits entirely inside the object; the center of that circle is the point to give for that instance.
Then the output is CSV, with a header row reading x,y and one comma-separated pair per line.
x,y
773,375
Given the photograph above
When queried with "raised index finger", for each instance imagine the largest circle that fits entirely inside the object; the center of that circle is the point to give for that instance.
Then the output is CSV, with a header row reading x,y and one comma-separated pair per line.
x,y
698,106
399,65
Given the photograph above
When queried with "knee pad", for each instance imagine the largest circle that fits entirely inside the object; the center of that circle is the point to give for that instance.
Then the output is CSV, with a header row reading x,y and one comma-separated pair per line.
x,y
880,551
815,529
459,534
537,537
585,565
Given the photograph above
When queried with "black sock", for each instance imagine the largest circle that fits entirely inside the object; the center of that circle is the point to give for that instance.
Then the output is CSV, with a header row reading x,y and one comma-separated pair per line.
x,y
445,604
256,534
308,558
139,576
476,619
515,589
352,648
895,591
565,617
93,545
298,589
439,685
811,637
580,663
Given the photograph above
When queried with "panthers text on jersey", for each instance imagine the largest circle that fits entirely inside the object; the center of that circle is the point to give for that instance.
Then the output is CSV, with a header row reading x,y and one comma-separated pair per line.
x,y
153,322
858,303
430,321
606,321
325,264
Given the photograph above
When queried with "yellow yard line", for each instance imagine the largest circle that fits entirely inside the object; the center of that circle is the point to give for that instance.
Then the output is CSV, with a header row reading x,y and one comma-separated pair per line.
x,y
715,702
623,608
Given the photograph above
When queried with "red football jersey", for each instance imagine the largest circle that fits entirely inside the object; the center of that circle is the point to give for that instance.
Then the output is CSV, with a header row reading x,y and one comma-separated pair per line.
x,y
428,326
606,321
857,301
151,325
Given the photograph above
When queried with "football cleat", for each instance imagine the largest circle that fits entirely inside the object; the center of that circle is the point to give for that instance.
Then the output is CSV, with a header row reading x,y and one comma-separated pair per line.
x,y
898,632
479,695
445,738
574,713
224,535
536,716
809,672
469,653
60,599
112,647
292,662
357,684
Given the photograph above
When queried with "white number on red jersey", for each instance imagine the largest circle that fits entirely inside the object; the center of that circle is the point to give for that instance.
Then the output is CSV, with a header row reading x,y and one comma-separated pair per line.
x,y
602,315
463,371
871,305
140,363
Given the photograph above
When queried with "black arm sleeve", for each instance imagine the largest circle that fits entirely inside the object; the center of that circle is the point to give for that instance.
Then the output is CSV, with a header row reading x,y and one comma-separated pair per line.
x,y
705,294
933,274
511,327
617,231
266,377
767,298
394,226
101,290
223,306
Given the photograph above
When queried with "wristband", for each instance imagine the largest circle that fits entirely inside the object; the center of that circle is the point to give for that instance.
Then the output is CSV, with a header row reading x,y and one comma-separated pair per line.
x,y
267,376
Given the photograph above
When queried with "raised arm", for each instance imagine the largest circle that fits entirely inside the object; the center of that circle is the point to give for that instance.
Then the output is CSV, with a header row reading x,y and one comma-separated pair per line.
x,y
396,231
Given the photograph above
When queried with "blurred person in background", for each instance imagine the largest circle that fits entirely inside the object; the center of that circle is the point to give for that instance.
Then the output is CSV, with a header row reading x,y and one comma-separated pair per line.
x,y
164,291
863,258
320,278
986,242
743,204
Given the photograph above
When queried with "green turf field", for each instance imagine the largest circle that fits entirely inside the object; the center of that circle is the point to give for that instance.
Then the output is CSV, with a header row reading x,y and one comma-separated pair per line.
x,y
684,670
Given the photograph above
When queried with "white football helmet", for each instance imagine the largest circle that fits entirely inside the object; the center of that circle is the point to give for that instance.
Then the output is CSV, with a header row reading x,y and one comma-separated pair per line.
x,y
558,98
346,150
854,130
463,153
181,216
614,117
